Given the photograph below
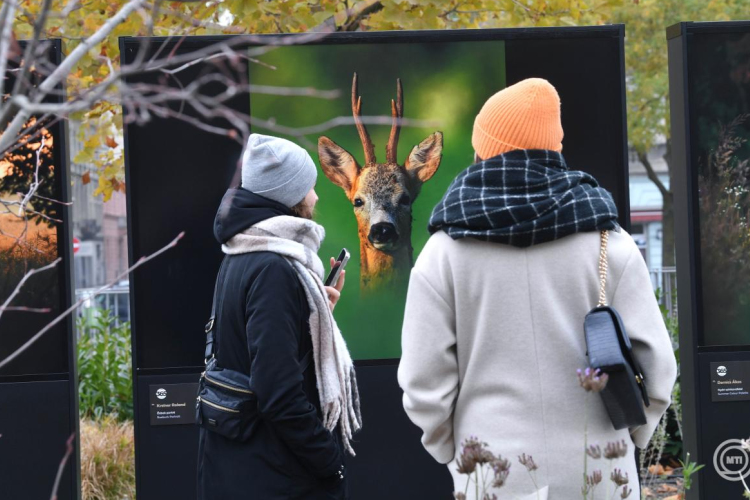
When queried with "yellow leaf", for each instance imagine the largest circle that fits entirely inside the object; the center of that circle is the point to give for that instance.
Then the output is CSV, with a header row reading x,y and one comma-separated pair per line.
x,y
84,156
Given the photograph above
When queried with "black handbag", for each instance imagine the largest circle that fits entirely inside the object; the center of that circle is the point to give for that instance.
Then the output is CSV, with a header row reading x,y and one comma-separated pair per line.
x,y
609,350
225,403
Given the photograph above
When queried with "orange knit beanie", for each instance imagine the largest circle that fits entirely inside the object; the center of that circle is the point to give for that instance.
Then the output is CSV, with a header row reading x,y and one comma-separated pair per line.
x,y
523,116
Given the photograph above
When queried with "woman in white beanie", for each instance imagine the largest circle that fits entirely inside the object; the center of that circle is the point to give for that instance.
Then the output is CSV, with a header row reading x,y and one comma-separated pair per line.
x,y
274,323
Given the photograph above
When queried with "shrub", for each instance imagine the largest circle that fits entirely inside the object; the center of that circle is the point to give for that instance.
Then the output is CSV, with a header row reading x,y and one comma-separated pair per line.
x,y
107,459
105,382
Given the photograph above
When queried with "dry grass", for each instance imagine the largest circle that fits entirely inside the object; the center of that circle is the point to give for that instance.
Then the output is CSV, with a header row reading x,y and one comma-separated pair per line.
x,y
107,460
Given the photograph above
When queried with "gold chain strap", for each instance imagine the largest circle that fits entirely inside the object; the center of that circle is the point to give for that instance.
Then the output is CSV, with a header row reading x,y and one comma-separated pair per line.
x,y
603,269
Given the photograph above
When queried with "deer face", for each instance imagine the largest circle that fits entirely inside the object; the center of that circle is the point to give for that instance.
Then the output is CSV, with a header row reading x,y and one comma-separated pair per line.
x,y
382,205
381,193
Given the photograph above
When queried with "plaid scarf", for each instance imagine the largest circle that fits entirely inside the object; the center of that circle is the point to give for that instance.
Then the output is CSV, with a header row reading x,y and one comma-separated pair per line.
x,y
523,198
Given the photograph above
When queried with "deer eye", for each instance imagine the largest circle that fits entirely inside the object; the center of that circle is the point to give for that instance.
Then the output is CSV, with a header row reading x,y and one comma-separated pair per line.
x,y
358,202
404,200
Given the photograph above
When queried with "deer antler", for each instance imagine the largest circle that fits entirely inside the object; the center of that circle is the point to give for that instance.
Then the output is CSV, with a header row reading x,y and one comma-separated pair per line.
x,y
363,135
397,111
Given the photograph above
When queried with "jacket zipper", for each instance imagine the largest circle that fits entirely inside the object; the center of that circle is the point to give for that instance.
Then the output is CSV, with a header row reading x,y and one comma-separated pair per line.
x,y
227,386
218,407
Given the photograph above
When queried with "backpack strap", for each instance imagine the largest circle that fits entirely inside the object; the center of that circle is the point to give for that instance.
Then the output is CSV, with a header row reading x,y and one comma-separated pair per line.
x,y
210,326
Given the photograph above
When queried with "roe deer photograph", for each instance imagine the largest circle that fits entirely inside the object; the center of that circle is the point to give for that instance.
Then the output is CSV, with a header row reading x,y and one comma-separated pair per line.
x,y
382,194
402,125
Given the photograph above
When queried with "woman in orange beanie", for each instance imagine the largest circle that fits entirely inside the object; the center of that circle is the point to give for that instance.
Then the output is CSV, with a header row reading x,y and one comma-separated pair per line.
x,y
492,334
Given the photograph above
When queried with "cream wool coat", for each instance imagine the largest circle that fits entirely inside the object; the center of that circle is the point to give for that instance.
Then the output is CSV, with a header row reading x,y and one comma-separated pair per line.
x,y
492,338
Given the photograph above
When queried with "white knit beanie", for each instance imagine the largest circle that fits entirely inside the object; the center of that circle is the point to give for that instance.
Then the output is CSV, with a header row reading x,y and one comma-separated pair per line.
x,y
277,169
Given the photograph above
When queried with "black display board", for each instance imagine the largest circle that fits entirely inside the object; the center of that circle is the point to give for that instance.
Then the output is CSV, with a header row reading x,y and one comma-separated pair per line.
x,y
709,90
38,389
177,174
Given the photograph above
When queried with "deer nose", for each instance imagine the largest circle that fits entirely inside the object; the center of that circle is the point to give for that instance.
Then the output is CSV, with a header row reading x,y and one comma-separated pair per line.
x,y
383,232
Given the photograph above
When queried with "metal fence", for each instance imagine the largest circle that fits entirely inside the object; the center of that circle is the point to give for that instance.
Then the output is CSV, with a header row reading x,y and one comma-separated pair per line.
x,y
116,300
664,281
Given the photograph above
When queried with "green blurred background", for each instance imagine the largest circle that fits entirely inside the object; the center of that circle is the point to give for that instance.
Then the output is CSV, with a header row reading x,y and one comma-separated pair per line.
x,y
443,82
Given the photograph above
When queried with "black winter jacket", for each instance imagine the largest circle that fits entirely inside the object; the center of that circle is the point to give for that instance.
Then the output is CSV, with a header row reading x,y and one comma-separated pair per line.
x,y
262,330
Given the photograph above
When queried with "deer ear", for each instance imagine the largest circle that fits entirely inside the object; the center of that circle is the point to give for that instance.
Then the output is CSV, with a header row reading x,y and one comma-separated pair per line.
x,y
424,159
338,165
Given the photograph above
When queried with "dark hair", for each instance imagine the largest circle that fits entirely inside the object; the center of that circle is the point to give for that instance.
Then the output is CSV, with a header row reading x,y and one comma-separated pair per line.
x,y
298,210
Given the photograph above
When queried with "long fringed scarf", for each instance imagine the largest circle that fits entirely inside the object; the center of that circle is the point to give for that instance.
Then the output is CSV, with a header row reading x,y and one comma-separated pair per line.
x,y
298,241
523,198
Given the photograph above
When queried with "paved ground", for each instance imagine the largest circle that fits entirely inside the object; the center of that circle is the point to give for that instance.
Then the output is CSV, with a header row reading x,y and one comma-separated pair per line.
x,y
665,485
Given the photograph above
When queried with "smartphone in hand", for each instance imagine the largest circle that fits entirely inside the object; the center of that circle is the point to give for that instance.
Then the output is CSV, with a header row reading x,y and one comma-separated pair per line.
x,y
341,261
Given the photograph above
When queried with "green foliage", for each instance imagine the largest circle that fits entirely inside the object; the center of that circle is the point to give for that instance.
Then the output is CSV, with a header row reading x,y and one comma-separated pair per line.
x,y
646,57
667,438
688,469
673,427
725,235
105,382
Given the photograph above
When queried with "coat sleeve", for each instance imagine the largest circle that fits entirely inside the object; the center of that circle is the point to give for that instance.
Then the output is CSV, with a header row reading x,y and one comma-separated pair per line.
x,y
428,372
635,300
273,314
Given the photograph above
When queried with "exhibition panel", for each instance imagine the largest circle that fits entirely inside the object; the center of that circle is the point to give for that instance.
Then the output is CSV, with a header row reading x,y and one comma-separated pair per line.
x,y
709,64
38,386
177,175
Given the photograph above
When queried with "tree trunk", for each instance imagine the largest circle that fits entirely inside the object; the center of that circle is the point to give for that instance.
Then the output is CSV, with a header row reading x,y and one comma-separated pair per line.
x,y
667,241
667,223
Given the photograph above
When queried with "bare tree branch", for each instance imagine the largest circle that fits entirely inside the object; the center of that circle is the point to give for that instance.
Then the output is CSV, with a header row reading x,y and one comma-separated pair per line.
x,y
349,18
77,304
29,309
61,467
35,183
7,13
70,7
164,94
67,204
23,281
197,23
337,122
211,112
9,134
30,52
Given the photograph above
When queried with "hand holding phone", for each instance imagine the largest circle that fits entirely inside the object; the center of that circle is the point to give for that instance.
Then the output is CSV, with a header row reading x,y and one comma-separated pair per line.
x,y
338,266
333,283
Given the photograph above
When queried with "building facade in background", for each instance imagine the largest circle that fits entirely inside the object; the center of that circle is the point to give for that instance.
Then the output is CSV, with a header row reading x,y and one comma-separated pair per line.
x,y
646,205
100,226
